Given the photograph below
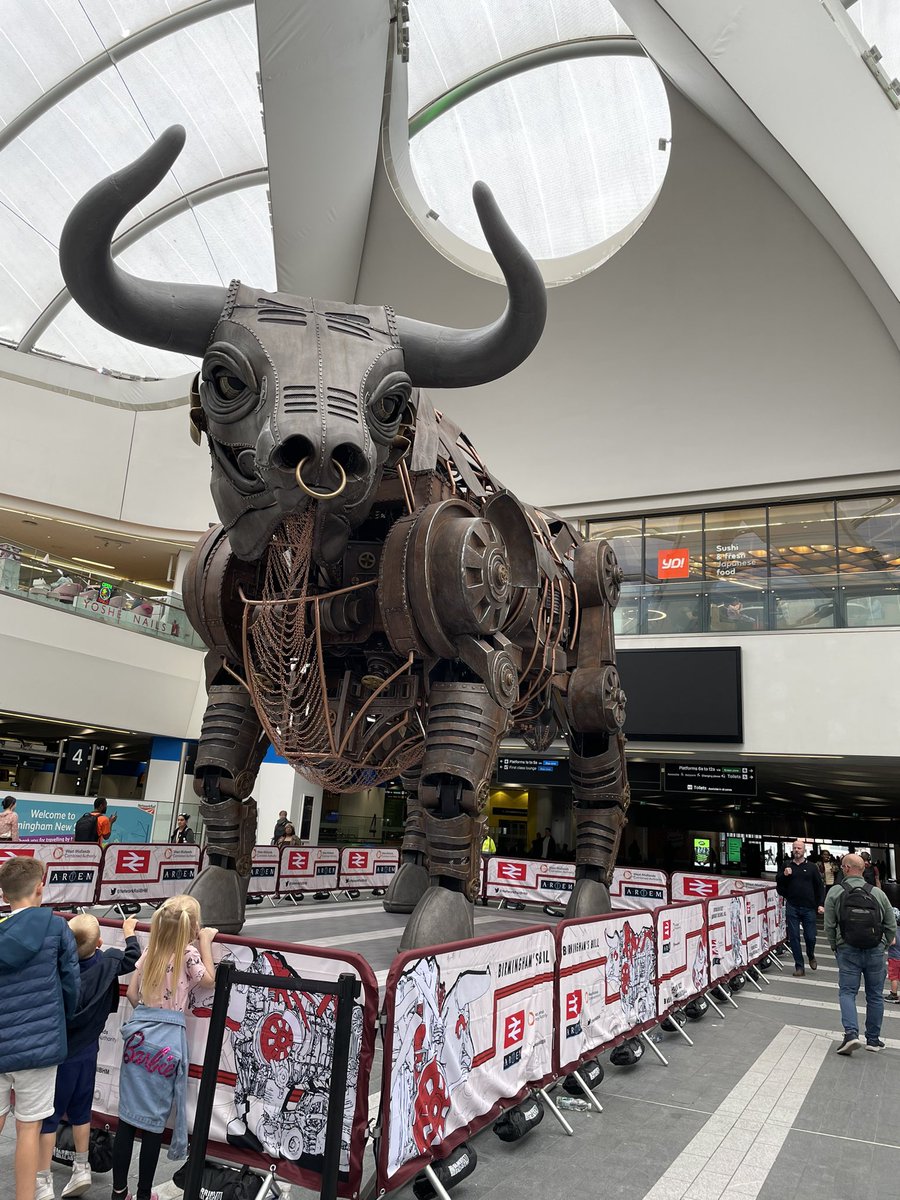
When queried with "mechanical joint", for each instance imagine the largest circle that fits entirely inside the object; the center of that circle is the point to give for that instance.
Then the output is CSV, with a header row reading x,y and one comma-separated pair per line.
x,y
454,849
231,831
463,730
231,741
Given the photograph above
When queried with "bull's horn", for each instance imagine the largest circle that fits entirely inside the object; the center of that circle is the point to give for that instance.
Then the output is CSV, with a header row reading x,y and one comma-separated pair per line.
x,y
437,356
170,316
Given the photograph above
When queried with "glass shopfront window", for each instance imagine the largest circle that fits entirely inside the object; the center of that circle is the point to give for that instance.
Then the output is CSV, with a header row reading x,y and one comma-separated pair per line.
x,y
816,564
736,561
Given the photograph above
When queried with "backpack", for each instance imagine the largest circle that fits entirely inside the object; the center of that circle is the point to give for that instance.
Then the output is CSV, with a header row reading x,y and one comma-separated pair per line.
x,y
86,828
860,917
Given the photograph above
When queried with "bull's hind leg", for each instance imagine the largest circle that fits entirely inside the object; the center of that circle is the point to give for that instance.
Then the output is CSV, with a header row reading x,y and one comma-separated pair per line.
x,y
410,883
231,748
600,797
463,731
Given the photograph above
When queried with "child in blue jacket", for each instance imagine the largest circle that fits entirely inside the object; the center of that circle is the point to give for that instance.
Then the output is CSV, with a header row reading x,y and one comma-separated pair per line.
x,y
39,986
153,1079
76,1077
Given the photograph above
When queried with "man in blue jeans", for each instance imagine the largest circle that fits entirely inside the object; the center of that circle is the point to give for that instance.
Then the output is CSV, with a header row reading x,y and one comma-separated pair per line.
x,y
800,882
858,928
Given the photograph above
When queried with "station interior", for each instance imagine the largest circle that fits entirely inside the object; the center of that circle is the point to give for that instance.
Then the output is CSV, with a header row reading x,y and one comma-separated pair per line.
x,y
708,193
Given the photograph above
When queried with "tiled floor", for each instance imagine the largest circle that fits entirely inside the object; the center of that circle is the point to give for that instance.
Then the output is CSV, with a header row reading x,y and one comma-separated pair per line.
x,y
760,1106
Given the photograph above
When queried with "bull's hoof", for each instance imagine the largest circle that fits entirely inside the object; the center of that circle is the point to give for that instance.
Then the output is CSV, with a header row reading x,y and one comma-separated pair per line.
x,y
406,889
222,895
441,916
590,898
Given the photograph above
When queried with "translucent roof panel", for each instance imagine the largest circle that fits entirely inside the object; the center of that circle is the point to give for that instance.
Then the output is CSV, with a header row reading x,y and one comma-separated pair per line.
x,y
879,23
202,76
451,42
570,150
226,238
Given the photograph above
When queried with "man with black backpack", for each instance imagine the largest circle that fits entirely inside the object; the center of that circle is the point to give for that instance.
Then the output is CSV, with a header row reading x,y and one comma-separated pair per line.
x,y
859,924
95,826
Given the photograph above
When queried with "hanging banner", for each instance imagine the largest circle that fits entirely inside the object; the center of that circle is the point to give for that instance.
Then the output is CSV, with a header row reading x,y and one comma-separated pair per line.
x,y
529,881
271,1102
468,1028
639,887
140,873
372,868
606,983
71,870
726,927
682,954
308,869
706,887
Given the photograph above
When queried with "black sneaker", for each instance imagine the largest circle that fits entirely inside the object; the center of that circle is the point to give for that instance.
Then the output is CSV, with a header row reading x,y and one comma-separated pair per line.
x,y
875,1045
850,1043
813,965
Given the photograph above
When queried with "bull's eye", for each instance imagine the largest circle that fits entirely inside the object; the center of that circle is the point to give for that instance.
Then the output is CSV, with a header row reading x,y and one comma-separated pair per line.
x,y
387,404
230,386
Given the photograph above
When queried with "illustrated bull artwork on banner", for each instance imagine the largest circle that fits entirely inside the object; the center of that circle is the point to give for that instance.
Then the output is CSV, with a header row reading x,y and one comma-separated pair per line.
x,y
375,603
631,971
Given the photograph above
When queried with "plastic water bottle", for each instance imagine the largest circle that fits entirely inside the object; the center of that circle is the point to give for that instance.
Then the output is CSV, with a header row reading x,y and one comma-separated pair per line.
x,y
572,1104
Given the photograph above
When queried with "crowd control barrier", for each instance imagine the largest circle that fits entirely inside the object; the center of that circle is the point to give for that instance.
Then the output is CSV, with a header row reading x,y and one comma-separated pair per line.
x,y
639,887
468,1032
273,1076
686,886
146,873
308,869
528,880
71,869
370,868
606,984
727,930
682,955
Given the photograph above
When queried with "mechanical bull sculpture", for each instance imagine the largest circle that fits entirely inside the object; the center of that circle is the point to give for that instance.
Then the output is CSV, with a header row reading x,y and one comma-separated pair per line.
x,y
374,602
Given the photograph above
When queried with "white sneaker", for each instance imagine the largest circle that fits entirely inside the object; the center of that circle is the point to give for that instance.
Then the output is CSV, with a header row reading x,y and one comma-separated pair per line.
x,y
43,1189
80,1181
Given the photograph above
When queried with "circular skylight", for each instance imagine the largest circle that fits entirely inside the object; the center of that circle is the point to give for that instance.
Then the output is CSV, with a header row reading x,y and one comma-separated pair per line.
x,y
571,150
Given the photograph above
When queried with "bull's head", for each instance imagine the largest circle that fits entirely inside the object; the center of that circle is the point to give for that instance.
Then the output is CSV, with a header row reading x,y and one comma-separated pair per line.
x,y
299,399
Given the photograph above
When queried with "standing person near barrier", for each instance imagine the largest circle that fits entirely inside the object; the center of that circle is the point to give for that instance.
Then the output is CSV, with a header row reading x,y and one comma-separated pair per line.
x,y
859,924
95,826
155,1057
870,871
76,1077
9,822
183,834
800,883
39,984
278,833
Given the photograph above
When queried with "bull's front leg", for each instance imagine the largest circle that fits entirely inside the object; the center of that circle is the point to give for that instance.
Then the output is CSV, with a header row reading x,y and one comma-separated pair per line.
x,y
232,746
463,731
411,881
600,799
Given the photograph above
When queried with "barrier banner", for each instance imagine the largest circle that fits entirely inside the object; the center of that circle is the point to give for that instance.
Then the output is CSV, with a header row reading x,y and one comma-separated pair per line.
x,y
271,1101
639,887
682,954
139,873
529,881
71,869
468,1028
755,919
264,871
606,989
706,887
726,925
781,911
308,869
373,868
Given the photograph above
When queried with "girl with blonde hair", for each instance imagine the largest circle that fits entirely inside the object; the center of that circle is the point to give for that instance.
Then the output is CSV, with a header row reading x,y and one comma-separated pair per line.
x,y
153,1079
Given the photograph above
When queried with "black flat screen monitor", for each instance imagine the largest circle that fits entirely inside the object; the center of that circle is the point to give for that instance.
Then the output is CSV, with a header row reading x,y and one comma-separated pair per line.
x,y
689,695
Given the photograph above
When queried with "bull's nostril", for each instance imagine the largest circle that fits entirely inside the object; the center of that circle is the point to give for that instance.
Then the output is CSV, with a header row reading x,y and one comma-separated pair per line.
x,y
292,452
351,458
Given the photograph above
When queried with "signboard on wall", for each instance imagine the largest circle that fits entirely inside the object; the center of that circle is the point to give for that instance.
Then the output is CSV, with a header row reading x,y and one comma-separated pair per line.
x,y
544,772
52,818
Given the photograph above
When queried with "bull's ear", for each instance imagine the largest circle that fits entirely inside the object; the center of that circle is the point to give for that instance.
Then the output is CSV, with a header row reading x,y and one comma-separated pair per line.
x,y
196,415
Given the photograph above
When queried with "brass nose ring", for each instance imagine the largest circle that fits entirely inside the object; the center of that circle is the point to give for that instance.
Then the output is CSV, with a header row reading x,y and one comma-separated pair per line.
x,y
310,491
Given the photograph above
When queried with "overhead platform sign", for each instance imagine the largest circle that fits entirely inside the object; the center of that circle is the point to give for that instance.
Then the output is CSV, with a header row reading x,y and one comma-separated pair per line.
x,y
726,779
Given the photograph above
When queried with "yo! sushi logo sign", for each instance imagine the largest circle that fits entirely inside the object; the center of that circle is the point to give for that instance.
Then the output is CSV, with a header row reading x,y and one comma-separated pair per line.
x,y
673,564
